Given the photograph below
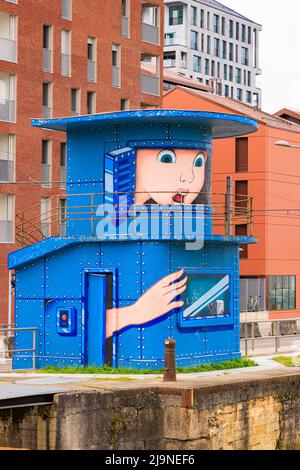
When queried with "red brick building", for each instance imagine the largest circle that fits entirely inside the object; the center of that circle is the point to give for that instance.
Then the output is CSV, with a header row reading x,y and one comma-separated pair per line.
x,y
61,58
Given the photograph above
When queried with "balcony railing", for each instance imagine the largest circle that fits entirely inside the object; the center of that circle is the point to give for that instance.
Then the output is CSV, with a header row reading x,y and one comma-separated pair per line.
x,y
46,175
174,42
6,231
47,60
150,33
8,50
47,112
91,71
62,177
7,110
150,84
168,63
65,65
125,26
6,170
116,76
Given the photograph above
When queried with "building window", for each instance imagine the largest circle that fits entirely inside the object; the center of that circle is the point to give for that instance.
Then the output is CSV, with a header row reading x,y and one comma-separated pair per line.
x,y
124,104
226,91
231,29
223,26
239,94
91,102
249,79
252,294
197,64
208,21
7,157
243,33
237,31
63,164
116,62
241,155
245,56
249,97
66,53
231,51
175,14
216,23
230,73
219,88
75,101
225,72
249,35
150,23
224,49
91,58
202,18
238,75
193,19
67,9
194,40
237,53
206,66
47,48
47,100
208,45
213,68
125,12
282,293
7,202
46,216
217,47
46,163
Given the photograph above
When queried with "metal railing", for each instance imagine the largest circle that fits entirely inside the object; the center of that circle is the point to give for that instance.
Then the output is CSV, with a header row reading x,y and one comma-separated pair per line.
x,y
8,50
150,33
116,76
81,211
47,60
125,26
253,333
66,65
91,71
6,332
150,84
7,110
6,170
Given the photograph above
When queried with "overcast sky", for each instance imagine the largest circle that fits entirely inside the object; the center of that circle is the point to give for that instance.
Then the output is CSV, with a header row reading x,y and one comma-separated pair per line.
x,y
279,49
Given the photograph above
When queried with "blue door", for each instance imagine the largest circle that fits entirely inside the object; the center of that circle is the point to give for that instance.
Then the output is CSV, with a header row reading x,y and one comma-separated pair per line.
x,y
96,319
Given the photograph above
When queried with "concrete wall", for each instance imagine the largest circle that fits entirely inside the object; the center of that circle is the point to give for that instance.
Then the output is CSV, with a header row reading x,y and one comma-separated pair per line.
x,y
256,414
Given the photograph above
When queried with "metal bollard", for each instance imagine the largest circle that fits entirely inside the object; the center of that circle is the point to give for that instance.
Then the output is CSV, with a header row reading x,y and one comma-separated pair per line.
x,y
170,364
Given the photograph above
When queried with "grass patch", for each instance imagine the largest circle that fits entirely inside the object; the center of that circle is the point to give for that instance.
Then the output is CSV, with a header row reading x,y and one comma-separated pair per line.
x,y
233,364
288,361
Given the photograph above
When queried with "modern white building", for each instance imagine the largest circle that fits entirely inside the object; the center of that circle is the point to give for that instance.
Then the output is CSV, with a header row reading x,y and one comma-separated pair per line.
x,y
214,45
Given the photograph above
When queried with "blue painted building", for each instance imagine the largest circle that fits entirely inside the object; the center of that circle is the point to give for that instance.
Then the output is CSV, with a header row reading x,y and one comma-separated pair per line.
x,y
88,293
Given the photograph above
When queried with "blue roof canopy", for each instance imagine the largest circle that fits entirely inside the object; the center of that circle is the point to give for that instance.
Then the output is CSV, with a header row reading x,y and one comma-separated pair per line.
x,y
220,125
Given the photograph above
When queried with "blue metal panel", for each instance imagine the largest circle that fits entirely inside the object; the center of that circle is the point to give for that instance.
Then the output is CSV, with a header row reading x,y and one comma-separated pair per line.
x,y
126,258
30,281
96,314
129,344
28,314
67,265
155,260
62,350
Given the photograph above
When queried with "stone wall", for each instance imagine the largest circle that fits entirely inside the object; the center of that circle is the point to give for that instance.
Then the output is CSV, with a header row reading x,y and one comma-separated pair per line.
x,y
250,414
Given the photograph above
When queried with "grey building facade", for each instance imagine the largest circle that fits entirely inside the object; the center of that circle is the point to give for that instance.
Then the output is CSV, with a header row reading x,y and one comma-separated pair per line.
x,y
214,45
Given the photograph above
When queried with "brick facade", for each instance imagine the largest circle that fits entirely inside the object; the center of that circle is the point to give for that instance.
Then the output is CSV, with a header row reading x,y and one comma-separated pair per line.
x,y
97,19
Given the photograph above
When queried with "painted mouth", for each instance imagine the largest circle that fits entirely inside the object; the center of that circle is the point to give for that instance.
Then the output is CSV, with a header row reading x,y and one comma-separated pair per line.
x,y
179,197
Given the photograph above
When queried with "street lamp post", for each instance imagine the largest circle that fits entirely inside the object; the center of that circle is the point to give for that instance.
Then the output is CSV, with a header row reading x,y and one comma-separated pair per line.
x,y
284,143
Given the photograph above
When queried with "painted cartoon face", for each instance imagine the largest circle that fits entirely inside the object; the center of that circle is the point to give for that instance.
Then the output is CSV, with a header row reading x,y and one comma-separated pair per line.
x,y
169,176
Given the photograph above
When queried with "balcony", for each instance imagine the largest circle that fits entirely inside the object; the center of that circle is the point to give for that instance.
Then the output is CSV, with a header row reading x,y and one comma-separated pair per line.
x,y
125,26
47,60
6,231
174,42
7,110
150,33
46,175
65,65
62,178
168,63
116,76
6,170
8,50
150,84
91,73
47,112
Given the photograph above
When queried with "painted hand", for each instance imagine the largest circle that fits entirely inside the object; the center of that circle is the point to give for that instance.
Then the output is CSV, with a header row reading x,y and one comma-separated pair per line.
x,y
154,303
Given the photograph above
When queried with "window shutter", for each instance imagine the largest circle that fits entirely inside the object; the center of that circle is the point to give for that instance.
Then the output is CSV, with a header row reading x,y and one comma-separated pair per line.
x,y
241,152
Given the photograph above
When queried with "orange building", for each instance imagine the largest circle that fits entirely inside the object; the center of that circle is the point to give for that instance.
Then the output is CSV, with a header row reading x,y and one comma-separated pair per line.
x,y
270,175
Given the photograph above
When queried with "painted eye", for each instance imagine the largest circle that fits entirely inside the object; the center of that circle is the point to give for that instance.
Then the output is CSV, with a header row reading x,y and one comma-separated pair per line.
x,y
166,156
199,160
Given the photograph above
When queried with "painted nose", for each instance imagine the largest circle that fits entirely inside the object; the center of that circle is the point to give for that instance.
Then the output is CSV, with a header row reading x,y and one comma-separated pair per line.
x,y
187,177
